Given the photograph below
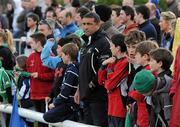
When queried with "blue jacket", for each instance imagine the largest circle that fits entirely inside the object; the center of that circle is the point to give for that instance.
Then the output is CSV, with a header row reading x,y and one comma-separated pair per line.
x,y
68,29
47,59
69,85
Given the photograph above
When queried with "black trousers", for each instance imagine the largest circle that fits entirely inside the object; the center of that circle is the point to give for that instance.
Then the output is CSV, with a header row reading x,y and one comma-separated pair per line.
x,y
95,114
116,121
40,107
60,113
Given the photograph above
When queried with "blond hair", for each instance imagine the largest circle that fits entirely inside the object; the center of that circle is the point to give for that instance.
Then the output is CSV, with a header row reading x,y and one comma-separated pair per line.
x,y
8,38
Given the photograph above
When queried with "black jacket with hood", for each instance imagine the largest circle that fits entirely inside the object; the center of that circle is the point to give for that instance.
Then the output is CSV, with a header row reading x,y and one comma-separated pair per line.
x,y
95,50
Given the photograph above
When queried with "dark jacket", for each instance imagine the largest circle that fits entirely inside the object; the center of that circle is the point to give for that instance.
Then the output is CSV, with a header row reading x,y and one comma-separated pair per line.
x,y
148,29
8,63
92,55
65,107
10,16
23,86
58,78
69,85
161,102
7,57
4,22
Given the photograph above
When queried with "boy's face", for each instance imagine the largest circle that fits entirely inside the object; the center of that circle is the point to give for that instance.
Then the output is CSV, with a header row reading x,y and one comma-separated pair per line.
x,y
66,59
34,45
123,17
154,65
131,49
114,49
114,17
141,59
30,22
17,66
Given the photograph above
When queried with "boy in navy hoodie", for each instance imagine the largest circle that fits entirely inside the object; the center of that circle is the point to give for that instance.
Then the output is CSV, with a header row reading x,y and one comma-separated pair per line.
x,y
64,107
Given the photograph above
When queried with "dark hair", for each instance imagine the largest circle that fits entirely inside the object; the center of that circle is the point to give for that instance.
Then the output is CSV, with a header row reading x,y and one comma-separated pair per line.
x,y
128,11
90,5
21,61
144,10
71,49
45,22
75,3
71,38
135,37
39,37
94,16
163,55
50,9
51,24
118,40
83,11
117,10
54,3
34,16
104,12
145,47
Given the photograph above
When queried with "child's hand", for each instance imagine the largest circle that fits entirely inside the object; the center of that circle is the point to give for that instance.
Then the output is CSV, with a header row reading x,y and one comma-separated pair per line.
x,y
128,106
77,97
47,99
51,106
17,73
109,60
34,75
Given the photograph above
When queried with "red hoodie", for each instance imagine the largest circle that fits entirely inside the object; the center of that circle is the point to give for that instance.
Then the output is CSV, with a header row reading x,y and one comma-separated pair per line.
x,y
143,119
110,77
42,85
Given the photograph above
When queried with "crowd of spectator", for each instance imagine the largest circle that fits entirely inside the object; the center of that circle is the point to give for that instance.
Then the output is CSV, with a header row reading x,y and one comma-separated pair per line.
x,y
93,63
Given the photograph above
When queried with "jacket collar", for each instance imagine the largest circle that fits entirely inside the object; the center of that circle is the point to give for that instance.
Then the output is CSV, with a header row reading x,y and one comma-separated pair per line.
x,y
144,24
167,72
94,36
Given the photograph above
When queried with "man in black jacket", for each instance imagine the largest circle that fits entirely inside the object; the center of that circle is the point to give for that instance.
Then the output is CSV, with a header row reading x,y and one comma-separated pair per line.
x,y
95,50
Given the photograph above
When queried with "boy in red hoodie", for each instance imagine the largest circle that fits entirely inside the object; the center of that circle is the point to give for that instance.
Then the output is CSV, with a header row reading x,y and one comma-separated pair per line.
x,y
41,77
113,75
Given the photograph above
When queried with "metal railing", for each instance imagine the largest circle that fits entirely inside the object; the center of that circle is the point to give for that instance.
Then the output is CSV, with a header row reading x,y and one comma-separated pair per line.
x,y
37,116
17,45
